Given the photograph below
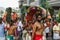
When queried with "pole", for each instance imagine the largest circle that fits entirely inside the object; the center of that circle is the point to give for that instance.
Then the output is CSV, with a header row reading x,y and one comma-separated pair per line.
x,y
28,2
20,6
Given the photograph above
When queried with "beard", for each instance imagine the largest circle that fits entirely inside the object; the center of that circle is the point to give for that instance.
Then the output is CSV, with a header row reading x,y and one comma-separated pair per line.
x,y
39,20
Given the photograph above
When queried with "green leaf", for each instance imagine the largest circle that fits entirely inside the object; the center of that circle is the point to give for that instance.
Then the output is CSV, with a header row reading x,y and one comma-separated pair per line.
x,y
8,17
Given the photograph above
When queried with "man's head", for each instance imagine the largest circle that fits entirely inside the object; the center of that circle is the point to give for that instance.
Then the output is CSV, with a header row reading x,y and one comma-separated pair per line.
x,y
39,18
0,20
38,10
55,22
13,16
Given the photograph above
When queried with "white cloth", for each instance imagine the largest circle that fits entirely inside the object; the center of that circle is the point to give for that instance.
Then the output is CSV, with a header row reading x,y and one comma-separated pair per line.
x,y
28,37
2,38
56,27
20,25
44,36
56,34
47,30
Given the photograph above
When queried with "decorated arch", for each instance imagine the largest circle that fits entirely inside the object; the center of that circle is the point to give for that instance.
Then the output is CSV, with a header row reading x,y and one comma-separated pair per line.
x,y
31,11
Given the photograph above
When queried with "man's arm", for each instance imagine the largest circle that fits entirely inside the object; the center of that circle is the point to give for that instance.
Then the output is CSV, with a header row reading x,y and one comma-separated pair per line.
x,y
42,25
34,29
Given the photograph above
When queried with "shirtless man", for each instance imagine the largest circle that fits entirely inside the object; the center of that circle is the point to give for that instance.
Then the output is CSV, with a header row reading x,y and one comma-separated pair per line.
x,y
38,29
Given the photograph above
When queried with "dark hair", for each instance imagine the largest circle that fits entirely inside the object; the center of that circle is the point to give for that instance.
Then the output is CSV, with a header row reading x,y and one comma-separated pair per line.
x,y
38,15
14,20
11,23
0,18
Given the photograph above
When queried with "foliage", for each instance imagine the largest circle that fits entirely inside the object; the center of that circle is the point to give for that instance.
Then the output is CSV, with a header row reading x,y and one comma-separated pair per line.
x,y
1,11
58,17
51,10
59,13
8,17
45,4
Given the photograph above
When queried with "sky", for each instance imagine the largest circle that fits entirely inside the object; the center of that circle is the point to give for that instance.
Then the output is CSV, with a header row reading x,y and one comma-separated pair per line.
x,y
9,3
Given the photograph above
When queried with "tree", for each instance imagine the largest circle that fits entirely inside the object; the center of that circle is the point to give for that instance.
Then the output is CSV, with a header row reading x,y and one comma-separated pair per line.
x,y
1,12
8,17
58,16
45,4
51,10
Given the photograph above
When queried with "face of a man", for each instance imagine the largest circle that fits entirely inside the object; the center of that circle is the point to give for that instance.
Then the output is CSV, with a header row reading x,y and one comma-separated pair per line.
x,y
13,16
39,18
38,12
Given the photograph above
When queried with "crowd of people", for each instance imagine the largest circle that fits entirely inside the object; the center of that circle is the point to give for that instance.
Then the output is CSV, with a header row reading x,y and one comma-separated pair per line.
x,y
35,27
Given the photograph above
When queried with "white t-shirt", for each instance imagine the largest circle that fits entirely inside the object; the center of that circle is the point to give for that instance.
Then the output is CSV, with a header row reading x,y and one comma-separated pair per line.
x,y
56,34
20,25
46,29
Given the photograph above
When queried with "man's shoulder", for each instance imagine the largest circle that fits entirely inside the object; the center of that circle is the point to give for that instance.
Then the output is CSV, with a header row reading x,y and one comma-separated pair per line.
x,y
36,22
55,26
59,24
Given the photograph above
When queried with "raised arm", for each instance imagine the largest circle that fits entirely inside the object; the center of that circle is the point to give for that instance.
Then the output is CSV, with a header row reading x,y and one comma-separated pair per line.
x,y
34,29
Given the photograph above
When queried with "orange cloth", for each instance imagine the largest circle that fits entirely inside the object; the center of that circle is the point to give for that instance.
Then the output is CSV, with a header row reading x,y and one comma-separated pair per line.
x,y
13,15
29,18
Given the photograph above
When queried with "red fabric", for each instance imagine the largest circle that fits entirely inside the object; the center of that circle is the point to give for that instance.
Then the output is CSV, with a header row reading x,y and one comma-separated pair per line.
x,y
29,17
6,27
14,15
37,37
32,11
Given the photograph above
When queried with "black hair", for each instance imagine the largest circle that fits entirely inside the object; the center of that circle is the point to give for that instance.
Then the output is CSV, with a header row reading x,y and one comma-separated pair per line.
x,y
11,23
0,18
38,15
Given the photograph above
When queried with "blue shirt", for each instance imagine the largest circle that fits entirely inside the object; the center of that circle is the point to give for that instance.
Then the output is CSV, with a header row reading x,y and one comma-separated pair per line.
x,y
2,29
